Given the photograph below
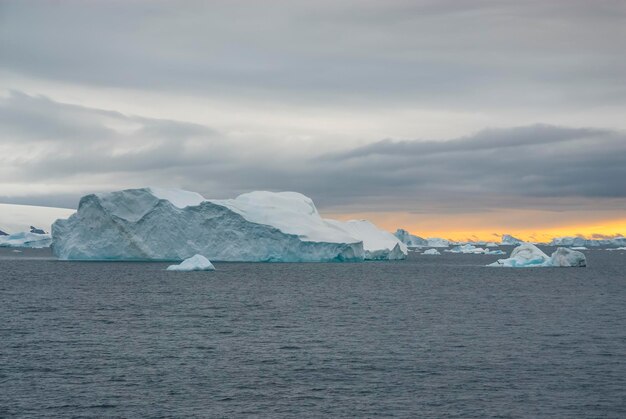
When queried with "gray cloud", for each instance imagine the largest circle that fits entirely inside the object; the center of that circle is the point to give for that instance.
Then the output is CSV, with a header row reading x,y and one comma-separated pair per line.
x,y
48,142
483,54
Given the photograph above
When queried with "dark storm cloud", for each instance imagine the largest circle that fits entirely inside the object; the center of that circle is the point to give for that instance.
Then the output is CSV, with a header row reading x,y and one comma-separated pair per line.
x,y
567,53
515,167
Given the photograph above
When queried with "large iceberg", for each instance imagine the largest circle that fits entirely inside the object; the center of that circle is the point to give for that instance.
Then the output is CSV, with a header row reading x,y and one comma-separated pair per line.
x,y
409,239
527,255
377,244
163,224
194,263
509,240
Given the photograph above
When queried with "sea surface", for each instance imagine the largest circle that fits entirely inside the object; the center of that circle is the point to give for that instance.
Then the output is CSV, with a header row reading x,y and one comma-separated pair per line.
x,y
432,336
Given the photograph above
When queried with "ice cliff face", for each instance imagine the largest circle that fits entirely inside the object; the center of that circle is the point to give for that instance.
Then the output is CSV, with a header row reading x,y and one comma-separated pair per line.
x,y
162,224
409,239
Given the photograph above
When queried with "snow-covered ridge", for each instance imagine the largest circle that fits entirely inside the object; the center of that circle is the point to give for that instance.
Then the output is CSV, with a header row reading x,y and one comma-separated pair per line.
x,y
155,223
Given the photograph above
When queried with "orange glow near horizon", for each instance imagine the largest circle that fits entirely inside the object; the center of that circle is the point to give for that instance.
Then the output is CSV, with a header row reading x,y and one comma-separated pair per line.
x,y
530,225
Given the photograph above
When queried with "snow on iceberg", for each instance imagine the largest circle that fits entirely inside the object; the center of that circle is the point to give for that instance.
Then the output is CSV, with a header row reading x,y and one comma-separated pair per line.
x,y
409,239
509,240
527,255
377,244
564,257
431,252
26,239
164,224
194,263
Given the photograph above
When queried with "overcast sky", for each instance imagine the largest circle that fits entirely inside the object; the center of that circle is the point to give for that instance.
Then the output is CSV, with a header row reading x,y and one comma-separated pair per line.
x,y
421,107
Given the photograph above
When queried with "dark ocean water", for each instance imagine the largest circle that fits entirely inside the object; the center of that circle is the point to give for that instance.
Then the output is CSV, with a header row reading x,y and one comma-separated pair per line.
x,y
433,336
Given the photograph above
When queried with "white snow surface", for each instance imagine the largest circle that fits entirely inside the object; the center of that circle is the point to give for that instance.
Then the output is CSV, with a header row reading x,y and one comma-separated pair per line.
x,y
19,218
26,239
527,255
161,224
378,244
194,263
431,252
290,212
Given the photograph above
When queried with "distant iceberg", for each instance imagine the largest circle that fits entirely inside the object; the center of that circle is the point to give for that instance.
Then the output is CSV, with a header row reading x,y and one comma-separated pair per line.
x,y
431,252
469,248
466,248
194,263
509,240
409,239
438,242
26,239
582,242
29,218
166,224
527,255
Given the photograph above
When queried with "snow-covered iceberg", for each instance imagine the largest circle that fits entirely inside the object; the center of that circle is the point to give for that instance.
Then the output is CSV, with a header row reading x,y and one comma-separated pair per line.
x,y
163,224
509,240
194,263
26,239
523,256
409,239
431,252
527,255
377,244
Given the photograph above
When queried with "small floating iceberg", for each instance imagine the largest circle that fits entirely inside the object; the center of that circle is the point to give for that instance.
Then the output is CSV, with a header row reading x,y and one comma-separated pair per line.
x,y
194,263
527,255
431,252
564,257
